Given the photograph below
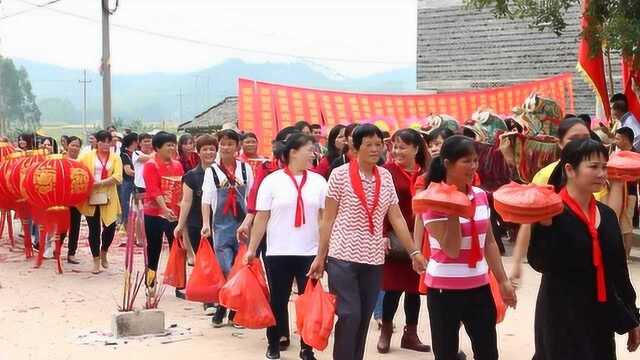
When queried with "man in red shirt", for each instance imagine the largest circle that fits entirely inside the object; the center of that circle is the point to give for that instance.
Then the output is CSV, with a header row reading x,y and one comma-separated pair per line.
x,y
159,218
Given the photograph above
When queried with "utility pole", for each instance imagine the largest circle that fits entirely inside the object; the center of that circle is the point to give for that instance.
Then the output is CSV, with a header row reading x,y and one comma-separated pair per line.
x,y
84,83
180,95
106,63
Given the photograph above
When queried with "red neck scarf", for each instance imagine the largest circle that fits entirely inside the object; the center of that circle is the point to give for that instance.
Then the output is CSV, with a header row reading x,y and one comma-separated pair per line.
x,y
230,205
476,252
590,222
412,177
356,184
300,220
105,173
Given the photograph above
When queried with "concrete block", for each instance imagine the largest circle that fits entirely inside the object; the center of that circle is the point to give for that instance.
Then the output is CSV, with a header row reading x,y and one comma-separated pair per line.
x,y
136,323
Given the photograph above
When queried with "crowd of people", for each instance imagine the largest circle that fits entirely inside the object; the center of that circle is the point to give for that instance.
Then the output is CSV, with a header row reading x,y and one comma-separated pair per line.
x,y
343,206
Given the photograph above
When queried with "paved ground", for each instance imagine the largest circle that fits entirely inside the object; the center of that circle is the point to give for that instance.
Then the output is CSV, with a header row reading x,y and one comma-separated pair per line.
x,y
45,316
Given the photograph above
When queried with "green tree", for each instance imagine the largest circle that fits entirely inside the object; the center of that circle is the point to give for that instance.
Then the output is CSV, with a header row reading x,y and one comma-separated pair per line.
x,y
139,126
18,108
616,23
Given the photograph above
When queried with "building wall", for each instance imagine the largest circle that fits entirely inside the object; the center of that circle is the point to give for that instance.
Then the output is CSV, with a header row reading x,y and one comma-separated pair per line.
x,y
461,49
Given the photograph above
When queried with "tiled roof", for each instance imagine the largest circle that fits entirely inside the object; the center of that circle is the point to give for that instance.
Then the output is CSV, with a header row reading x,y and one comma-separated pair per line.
x,y
461,49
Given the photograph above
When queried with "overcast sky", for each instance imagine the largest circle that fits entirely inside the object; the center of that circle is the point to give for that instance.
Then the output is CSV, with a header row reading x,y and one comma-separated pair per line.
x,y
374,35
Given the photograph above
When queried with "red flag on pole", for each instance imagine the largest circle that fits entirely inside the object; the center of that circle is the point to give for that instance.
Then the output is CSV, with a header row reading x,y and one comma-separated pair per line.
x,y
631,82
592,65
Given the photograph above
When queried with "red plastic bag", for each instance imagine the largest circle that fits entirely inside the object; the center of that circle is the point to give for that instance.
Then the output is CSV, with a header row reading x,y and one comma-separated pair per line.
x,y
301,304
501,308
256,267
175,274
245,294
318,318
207,278
443,198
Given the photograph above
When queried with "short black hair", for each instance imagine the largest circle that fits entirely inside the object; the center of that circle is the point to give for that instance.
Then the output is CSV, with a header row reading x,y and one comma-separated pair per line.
x,y
587,120
621,106
144,136
574,153
295,142
300,125
161,138
567,124
128,139
285,133
249,134
103,135
619,97
316,127
363,131
72,138
228,134
626,132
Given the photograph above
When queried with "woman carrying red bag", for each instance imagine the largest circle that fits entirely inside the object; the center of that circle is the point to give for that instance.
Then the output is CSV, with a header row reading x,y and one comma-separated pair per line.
x,y
409,161
359,197
462,253
289,205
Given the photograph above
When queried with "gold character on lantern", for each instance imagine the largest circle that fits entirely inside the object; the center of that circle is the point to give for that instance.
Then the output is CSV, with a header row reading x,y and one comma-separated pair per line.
x,y
79,181
44,180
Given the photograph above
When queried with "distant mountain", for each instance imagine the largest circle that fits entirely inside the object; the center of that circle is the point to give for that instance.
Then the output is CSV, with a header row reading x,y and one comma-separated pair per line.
x,y
156,96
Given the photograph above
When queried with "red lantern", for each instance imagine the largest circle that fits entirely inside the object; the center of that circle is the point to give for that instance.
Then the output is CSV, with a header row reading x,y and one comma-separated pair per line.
x,y
12,171
5,215
54,185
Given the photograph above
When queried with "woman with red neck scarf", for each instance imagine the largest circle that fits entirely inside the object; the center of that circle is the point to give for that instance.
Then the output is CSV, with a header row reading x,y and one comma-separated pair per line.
x,y
224,193
463,251
359,198
409,162
290,203
585,295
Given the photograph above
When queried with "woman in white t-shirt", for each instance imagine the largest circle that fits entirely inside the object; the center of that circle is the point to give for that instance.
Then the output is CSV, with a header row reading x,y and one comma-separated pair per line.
x,y
289,205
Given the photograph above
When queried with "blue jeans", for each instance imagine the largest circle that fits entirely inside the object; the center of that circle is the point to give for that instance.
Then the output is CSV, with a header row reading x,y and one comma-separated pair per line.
x,y
126,189
377,311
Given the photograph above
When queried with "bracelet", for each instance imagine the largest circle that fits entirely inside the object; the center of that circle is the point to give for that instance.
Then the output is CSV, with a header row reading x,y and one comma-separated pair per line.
x,y
414,253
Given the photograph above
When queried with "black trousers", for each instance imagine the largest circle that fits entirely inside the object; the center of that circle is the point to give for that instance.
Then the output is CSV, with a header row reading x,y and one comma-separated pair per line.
x,y
74,231
356,287
281,271
108,232
155,227
475,309
411,306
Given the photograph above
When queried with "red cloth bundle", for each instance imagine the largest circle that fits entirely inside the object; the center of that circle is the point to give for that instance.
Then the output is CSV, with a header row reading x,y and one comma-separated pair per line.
x,y
443,198
527,204
624,166
171,187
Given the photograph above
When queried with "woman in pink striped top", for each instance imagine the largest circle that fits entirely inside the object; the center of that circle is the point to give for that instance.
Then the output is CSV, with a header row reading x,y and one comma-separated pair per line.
x,y
462,253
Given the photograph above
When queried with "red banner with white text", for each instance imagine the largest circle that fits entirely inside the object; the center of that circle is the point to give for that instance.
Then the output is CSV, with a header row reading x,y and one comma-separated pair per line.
x,y
264,108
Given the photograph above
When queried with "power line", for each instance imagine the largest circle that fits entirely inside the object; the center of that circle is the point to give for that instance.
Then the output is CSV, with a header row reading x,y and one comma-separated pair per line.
x,y
36,7
222,46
